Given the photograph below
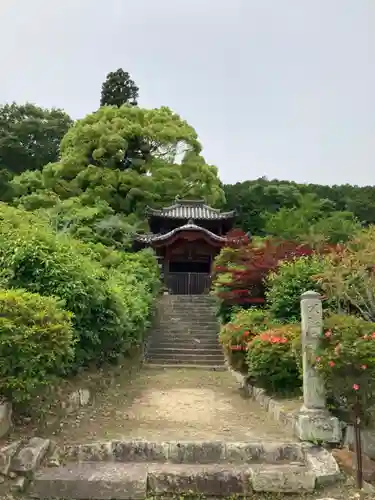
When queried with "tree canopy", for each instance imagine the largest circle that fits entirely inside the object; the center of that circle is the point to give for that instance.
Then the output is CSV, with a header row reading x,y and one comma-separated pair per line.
x,y
30,136
337,209
127,158
118,89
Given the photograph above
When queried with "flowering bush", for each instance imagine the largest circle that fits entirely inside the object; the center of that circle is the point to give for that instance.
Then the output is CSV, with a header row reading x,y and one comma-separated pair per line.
x,y
235,335
271,359
346,361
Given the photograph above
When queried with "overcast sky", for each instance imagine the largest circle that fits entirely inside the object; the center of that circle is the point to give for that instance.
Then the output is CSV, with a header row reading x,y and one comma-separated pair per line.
x,y
276,88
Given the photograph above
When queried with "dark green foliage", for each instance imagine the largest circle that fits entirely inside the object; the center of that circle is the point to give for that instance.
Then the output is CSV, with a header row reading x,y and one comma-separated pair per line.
x,y
118,89
254,198
36,343
30,136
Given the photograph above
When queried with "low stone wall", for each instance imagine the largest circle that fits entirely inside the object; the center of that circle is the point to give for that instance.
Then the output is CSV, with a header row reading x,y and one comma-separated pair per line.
x,y
273,407
70,404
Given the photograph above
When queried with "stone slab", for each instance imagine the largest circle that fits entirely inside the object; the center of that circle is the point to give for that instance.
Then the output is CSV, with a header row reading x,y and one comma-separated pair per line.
x,y
91,481
210,480
279,479
367,438
323,464
186,452
6,456
140,451
5,418
29,457
318,426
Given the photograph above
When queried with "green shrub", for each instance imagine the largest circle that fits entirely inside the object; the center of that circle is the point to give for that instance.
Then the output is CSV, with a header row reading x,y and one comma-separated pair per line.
x,y
346,361
235,335
36,343
110,304
285,286
271,360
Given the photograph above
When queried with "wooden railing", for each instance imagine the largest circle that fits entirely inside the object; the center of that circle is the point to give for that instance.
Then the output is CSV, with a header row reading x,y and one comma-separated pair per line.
x,y
188,283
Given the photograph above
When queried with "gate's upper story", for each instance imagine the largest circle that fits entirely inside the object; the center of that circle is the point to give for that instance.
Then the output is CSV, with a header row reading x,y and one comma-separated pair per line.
x,y
186,237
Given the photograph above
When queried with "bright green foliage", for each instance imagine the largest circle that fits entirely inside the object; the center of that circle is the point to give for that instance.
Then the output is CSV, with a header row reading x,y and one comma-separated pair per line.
x,y
36,343
97,223
346,361
118,89
271,360
285,286
30,136
106,307
312,222
236,335
348,277
127,157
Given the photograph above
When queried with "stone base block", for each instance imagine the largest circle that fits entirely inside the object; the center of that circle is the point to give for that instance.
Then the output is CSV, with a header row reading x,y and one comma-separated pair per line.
x,y
318,426
99,481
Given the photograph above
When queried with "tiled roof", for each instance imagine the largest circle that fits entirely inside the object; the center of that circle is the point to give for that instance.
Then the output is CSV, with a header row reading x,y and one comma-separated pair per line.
x,y
149,238
190,209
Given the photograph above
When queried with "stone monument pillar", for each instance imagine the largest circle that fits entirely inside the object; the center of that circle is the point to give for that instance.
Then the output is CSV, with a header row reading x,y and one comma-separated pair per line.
x,y
314,422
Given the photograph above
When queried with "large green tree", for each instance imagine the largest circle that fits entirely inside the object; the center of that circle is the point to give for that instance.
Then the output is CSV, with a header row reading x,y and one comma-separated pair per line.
x,y
118,89
30,136
101,160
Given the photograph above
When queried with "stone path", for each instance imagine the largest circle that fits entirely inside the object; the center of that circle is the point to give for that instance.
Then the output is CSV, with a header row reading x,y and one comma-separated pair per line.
x,y
173,404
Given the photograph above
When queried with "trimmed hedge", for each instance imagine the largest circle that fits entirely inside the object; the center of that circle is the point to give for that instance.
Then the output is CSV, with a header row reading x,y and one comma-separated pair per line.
x,y
111,302
36,342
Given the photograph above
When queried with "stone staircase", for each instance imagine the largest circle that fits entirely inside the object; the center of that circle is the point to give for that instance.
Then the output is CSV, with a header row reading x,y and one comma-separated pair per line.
x,y
185,333
142,469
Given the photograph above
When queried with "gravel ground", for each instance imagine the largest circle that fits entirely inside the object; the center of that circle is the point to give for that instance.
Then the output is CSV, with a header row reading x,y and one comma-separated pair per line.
x,y
172,404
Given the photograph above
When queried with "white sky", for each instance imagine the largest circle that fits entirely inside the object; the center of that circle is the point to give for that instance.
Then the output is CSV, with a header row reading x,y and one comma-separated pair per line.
x,y
281,88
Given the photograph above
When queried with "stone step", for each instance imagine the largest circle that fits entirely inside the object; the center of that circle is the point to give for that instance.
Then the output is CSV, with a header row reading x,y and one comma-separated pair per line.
x,y
188,354
186,452
185,327
112,481
169,360
188,323
181,366
192,333
188,336
181,345
172,350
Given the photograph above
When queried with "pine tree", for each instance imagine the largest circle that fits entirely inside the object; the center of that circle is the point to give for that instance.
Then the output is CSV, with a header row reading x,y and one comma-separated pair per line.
x,y
118,89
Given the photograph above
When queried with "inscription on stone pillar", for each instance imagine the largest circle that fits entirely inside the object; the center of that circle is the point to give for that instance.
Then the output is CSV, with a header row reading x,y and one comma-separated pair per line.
x,y
314,421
